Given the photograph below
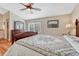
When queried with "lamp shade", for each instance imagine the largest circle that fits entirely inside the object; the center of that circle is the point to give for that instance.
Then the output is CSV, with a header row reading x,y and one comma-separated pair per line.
x,y
68,25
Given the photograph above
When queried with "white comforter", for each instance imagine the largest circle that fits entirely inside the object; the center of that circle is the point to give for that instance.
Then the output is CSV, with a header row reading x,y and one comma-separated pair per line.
x,y
41,45
18,50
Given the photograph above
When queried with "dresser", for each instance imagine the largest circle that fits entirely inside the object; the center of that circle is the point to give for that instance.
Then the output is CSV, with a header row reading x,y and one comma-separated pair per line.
x,y
17,35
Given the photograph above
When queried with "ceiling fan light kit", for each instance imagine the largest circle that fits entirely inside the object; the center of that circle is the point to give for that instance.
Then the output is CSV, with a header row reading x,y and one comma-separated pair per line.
x,y
29,7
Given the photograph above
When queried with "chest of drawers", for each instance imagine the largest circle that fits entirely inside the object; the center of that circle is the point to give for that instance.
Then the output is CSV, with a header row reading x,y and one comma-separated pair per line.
x,y
16,35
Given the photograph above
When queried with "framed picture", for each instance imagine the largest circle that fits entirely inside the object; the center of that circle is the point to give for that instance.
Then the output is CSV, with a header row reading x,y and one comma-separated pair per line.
x,y
53,23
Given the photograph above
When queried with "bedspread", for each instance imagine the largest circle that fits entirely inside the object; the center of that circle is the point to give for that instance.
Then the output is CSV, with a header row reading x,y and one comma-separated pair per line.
x,y
49,45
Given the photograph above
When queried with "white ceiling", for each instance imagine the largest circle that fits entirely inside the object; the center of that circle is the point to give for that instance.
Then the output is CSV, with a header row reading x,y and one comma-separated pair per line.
x,y
48,9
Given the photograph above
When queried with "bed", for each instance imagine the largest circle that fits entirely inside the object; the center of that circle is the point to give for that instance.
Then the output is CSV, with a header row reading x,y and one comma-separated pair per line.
x,y
43,45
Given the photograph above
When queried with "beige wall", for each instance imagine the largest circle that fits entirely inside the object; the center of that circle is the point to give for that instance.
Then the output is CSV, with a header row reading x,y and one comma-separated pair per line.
x,y
14,17
63,20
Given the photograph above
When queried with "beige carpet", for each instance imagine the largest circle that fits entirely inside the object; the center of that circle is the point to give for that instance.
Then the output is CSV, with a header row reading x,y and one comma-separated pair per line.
x,y
4,45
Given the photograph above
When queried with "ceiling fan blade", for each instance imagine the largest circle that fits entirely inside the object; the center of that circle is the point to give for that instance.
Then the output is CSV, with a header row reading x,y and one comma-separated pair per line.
x,y
23,4
23,9
37,9
32,3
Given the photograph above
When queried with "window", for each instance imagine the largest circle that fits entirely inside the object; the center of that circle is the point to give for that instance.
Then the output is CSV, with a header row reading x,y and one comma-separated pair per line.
x,y
35,27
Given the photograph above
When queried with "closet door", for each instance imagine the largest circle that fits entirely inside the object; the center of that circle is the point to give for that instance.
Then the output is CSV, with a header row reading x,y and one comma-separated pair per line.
x,y
2,30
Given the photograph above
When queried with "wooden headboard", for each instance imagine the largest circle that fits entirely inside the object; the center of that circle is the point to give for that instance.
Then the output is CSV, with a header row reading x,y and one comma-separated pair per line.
x,y
77,27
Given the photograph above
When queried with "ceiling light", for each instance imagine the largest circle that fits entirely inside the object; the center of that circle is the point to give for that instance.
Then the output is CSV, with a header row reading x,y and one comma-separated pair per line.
x,y
29,9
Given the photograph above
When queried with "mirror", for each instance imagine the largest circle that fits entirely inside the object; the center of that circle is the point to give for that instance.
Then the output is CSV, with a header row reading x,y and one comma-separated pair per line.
x,y
18,25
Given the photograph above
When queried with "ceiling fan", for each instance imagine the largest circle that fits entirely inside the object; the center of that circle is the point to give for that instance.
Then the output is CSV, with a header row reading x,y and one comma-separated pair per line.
x,y
29,7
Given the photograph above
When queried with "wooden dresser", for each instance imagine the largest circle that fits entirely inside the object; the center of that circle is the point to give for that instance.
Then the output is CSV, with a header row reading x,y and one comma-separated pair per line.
x,y
77,27
17,34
